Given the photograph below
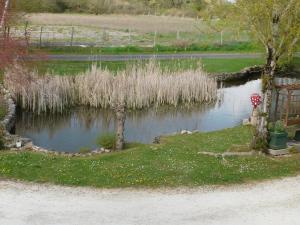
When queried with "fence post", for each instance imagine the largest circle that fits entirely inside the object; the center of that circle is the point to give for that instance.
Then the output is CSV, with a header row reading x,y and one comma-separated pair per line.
x,y
129,37
8,31
105,36
178,35
25,29
154,39
221,38
41,34
26,33
72,37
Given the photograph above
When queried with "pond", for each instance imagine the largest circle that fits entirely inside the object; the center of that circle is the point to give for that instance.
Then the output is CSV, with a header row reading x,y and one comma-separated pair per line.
x,y
80,127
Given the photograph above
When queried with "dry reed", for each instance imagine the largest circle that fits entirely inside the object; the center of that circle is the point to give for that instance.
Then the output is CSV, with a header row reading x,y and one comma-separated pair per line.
x,y
135,87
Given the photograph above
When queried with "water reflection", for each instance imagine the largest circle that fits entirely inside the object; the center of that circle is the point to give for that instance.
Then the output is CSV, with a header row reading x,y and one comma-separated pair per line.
x,y
80,127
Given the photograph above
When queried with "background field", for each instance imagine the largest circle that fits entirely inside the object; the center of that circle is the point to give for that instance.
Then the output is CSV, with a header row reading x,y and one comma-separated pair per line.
x,y
48,29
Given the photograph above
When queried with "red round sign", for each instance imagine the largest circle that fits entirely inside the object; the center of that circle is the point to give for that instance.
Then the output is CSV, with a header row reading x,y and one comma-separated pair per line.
x,y
255,100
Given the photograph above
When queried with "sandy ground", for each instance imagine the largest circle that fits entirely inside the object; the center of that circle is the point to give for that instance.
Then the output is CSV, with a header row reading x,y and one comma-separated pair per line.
x,y
272,202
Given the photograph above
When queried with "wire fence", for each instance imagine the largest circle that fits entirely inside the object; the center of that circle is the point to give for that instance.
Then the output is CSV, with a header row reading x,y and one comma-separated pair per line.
x,y
86,36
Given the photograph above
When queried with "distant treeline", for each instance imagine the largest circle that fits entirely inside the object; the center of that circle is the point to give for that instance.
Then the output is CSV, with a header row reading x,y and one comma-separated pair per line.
x,y
169,7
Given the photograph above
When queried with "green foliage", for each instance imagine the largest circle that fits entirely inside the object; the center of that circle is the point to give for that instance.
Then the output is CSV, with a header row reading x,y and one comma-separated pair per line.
x,y
40,5
267,82
286,66
2,141
224,12
276,24
107,141
228,47
279,127
191,7
260,144
271,127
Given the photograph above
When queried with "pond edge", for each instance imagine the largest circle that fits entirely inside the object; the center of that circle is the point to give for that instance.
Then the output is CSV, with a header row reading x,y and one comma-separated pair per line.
x,y
9,121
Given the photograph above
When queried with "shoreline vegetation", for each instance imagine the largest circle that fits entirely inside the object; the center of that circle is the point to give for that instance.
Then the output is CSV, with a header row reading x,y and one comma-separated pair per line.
x,y
175,162
136,87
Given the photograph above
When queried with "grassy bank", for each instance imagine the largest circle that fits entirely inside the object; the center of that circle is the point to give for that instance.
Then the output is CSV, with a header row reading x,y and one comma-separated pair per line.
x,y
210,65
175,162
242,47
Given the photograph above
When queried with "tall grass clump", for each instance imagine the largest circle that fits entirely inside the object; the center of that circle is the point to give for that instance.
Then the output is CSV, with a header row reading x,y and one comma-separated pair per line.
x,y
40,93
136,87
107,140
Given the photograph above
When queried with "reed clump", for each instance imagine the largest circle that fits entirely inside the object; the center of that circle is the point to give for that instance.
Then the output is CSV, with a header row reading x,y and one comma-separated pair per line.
x,y
136,87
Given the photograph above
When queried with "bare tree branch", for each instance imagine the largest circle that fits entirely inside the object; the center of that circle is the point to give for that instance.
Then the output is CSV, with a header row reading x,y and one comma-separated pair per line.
x,y
288,7
4,14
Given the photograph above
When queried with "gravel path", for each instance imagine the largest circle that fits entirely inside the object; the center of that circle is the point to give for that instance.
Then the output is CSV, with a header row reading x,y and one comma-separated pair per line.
x,y
272,202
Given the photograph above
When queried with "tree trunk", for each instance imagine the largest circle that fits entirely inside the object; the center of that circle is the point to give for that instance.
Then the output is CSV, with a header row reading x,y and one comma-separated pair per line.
x,y
4,14
260,140
120,116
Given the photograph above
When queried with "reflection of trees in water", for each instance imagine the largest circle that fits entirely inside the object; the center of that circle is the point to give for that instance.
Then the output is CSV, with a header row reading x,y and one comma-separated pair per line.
x,y
83,117
88,117
162,112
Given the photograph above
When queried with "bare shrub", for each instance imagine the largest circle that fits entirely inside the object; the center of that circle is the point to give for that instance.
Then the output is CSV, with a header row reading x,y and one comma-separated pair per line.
x,y
181,43
136,87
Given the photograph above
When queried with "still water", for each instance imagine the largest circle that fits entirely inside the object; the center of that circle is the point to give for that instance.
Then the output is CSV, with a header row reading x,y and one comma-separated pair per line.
x,y
80,127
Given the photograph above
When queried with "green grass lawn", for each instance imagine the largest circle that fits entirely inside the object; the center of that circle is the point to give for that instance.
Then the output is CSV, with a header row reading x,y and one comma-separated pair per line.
x,y
229,65
210,65
173,163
